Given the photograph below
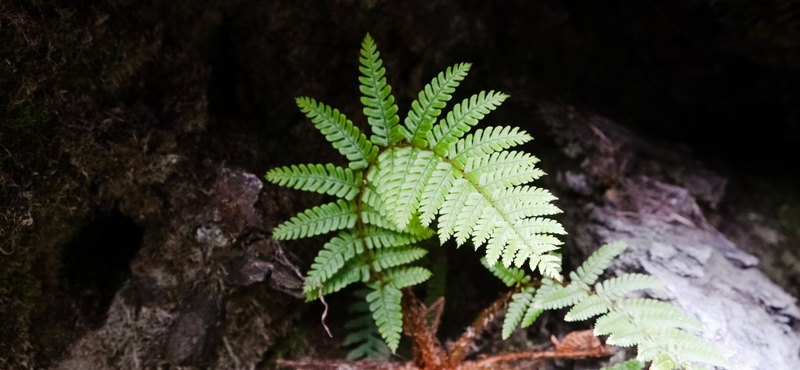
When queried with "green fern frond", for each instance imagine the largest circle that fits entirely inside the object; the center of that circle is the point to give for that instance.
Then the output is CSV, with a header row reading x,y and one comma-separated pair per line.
x,y
403,187
379,105
354,271
401,277
590,307
560,297
486,141
530,316
340,131
506,160
387,258
618,287
376,238
588,272
509,275
462,118
327,179
333,256
430,102
435,191
520,302
384,302
657,314
627,365
362,333
318,220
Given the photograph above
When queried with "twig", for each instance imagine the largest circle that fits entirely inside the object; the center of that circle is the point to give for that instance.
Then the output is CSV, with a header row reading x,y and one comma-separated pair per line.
x,y
495,362
464,345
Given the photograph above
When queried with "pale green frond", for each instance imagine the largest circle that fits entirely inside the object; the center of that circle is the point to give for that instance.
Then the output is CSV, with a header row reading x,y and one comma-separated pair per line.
x,y
318,220
588,272
384,302
663,362
587,308
486,141
550,265
333,256
560,297
658,315
379,105
401,277
371,198
403,182
474,207
506,177
387,258
629,336
520,302
340,131
524,195
540,225
430,102
687,348
613,322
327,179
618,287
354,271
377,237
499,161
435,191
517,212
462,118
453,203
509,275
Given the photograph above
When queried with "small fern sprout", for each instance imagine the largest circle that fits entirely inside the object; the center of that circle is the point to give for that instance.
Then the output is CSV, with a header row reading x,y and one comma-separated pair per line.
x,y
659,331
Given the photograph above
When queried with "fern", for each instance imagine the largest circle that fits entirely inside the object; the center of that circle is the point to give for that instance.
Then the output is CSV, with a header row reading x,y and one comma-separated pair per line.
x,y
657,329
327,179
363,335
384,302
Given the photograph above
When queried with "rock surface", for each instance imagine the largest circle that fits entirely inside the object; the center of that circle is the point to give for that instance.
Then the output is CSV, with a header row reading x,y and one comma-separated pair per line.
x,y
751,320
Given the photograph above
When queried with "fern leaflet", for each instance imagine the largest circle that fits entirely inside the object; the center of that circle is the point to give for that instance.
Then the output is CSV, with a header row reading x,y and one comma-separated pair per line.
x,y
379,106
327,179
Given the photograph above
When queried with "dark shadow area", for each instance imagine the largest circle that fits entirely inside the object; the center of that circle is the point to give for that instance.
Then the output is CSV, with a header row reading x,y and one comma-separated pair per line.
x,y
96,263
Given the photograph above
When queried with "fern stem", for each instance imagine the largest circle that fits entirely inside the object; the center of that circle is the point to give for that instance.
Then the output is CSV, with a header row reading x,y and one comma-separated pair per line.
x,y
487,317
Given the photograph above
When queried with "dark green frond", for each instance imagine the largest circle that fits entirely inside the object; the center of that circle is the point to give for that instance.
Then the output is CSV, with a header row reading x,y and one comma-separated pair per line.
x,y
353,271
509,275
401,277
327,179
318,220
387,258
430,102
333,256
379,106
340,131
462,118
384,302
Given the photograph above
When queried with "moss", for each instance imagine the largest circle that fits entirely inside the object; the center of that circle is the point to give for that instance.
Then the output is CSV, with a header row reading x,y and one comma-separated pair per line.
x,y
19,294
25,119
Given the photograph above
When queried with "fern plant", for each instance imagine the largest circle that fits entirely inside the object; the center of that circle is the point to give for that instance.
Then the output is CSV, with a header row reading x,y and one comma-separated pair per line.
x,y
657,329
433,175
402,177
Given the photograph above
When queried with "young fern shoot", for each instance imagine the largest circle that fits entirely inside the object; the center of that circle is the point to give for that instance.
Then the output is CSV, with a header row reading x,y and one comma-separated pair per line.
x,y
404,176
